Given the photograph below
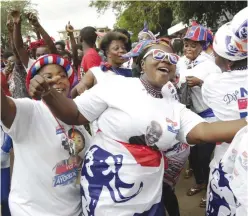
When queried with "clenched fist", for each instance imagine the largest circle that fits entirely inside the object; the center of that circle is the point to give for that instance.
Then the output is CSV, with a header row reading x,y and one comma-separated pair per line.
x,y
9,23
69,28
38,87
16,16
32,18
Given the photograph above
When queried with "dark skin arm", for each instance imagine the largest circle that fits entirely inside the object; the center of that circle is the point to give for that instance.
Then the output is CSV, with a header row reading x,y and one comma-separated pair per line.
x,y
10,27
18,42
68,113
87,82
221,131
34,21
8,110
66,110
69,30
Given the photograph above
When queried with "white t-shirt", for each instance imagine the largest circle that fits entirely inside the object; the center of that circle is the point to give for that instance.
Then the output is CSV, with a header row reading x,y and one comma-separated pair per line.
x,y
203,66
120,173
226,94
5,149
100,76
228,186
44,180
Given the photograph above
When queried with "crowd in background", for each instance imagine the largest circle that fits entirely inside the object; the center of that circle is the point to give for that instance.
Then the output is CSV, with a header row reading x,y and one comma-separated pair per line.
x,y
108,130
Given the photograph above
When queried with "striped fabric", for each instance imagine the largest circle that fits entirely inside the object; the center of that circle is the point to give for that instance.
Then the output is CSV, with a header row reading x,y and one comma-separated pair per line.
x,y
197,33
50,59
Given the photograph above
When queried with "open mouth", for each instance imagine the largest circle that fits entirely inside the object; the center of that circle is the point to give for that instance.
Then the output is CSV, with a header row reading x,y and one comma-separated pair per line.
x,y
163,70
60,90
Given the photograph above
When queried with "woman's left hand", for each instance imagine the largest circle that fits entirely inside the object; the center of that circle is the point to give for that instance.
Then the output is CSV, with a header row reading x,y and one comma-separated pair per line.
x,y
193,81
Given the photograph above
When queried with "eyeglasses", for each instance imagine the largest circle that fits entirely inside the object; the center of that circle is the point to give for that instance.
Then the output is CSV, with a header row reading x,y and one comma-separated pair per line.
x,y
161,55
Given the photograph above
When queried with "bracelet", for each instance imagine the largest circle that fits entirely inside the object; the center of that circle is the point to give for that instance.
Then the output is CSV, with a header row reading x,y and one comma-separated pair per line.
x,y
246,118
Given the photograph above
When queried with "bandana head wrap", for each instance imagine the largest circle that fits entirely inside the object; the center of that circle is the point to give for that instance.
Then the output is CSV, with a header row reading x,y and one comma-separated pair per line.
x,y
147,32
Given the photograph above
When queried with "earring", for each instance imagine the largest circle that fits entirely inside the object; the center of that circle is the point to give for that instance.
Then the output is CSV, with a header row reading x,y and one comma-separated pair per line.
x,y
228,67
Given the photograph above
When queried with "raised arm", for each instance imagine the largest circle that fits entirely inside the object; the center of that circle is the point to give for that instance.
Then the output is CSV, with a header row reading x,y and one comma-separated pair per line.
x,y
10,27
69,29
8,110
87,82
17,38
221,131
34,21
62,107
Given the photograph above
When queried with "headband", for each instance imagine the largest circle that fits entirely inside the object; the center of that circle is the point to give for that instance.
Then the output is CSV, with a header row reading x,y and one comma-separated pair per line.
x,y
50,59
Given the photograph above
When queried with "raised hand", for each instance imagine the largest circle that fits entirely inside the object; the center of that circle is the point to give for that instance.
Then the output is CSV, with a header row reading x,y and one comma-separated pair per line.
x,y
16,16
38,87
32,18
69,28
9,23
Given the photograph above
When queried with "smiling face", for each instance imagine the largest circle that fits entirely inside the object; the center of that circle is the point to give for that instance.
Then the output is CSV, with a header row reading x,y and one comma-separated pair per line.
x,y
115,51
158,73
56,77
192,49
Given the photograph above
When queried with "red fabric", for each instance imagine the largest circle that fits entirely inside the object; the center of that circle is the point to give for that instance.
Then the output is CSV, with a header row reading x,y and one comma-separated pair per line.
x,y
4,84
144,155
90,59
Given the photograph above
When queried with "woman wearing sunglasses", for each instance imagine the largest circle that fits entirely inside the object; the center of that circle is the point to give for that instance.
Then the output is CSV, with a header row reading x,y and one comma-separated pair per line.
x,y
137,118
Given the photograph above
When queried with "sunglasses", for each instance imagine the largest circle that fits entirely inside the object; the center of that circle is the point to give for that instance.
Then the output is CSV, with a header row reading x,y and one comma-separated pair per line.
x,y
161,55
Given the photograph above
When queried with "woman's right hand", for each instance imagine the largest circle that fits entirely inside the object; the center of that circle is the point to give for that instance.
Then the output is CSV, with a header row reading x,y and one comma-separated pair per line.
x,y
38,87
10,24
16,16
69,28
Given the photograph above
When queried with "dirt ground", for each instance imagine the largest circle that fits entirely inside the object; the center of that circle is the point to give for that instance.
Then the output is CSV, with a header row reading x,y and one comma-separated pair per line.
x,y
189,205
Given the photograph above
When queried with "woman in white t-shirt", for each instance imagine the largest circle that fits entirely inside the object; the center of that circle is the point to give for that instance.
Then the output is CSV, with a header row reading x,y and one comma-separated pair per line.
x,y
137,118
48,152
226,93
197,66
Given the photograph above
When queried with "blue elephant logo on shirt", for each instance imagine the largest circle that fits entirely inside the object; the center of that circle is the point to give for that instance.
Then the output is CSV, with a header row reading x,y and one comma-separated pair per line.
x,y
222,201
101,169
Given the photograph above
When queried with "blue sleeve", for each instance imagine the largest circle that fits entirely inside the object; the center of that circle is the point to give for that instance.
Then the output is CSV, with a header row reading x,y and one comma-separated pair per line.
x,y
7,143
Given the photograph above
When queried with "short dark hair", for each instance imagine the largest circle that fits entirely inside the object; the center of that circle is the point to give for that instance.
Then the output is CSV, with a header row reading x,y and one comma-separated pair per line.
x,y
61,43
109,37
88,34
65,52
125,32
7,54
79,46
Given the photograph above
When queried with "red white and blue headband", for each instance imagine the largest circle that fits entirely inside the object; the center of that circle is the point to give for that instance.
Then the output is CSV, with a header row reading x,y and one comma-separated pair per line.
x,y
50,59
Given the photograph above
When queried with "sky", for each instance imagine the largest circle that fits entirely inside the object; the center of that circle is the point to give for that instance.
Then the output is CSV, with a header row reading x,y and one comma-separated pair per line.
x,y
55,14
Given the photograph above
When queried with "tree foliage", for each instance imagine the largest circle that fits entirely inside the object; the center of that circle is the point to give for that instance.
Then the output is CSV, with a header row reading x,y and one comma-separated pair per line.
x,y
160,14
24,6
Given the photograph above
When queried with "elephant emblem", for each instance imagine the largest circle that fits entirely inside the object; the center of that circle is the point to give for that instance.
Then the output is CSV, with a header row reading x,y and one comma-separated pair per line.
x,y
241,32
101,168
221,198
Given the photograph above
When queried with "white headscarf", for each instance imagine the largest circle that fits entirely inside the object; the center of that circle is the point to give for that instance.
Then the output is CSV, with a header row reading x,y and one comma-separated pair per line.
x,y
230,41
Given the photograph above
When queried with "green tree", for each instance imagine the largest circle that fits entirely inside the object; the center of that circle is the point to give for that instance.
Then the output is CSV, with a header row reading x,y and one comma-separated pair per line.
x,y
131,14
24,6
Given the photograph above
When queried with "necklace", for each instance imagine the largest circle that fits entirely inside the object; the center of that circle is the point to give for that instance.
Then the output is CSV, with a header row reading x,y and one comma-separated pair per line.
x,y
150,89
